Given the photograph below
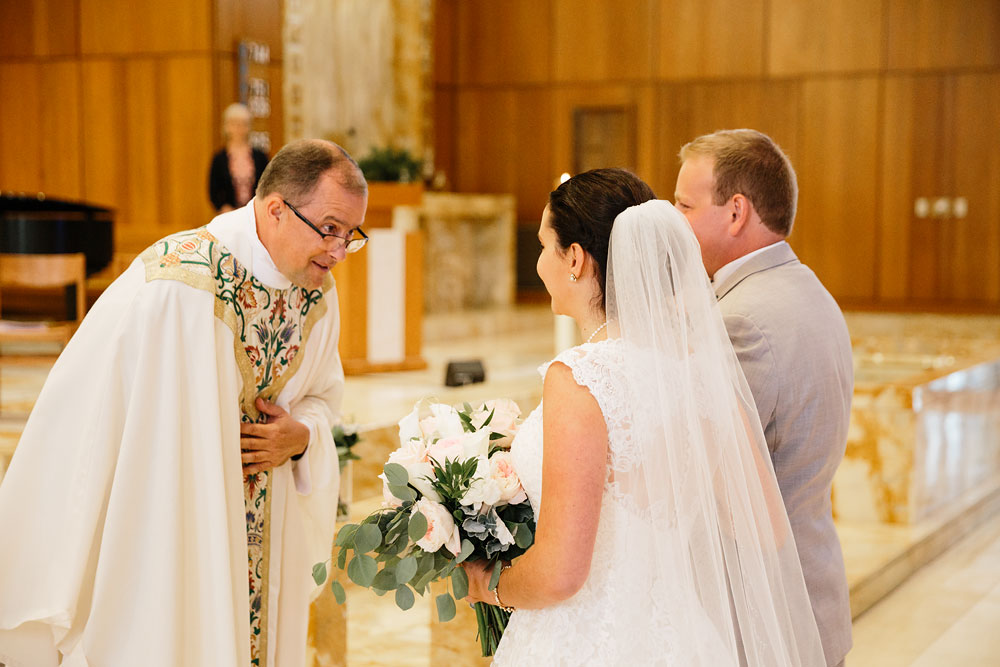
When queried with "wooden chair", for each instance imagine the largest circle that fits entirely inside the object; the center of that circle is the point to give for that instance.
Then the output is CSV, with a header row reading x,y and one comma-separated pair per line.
x,y
42,271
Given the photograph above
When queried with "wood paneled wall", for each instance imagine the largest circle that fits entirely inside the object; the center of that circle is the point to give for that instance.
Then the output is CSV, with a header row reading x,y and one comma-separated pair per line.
x,y
877,102
118,103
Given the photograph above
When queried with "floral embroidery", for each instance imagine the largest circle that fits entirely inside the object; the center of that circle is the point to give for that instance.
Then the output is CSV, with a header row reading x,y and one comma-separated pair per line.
x,y
270,328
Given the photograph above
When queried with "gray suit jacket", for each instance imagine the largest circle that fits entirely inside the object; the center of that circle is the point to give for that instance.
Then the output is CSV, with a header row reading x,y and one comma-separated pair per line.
x,y
793,345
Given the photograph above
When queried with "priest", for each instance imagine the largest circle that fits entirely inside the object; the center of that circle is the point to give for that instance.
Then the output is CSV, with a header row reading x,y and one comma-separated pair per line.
x,y
177,477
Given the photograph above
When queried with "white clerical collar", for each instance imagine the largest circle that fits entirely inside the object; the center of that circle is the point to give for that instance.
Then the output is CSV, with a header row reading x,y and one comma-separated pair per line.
x,y
237,231
729,269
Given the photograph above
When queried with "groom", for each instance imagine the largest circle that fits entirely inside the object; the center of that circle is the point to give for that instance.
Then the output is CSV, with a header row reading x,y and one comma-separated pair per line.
x,y
738,191
158,508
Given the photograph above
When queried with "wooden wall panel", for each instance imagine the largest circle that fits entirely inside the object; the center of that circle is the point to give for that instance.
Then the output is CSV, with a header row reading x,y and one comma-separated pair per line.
x,y
257,20
122,147
444,132
17,42
59,116
20,140
504,42
148,177
930,34
40,133
515,155
735,31
39,28
125,26
602,40
914,151
445,47
105,154
685,111
188,137
820,36
837,166
973,272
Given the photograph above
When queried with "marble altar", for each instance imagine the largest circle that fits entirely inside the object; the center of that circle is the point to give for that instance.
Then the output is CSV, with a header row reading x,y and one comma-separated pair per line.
x,y
925,420
470,246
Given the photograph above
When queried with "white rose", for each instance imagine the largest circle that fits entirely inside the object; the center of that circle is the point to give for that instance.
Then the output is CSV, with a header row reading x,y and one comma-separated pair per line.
x,y
446,421
412,455
409,427
447,449
505,477
483,491
505,415
441,528
460,448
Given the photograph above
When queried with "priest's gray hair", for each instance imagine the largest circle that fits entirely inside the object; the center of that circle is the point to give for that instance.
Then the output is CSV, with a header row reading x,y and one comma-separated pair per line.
x,y
296,169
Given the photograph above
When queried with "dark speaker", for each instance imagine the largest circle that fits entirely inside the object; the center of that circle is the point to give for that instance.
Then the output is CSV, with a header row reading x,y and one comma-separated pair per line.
x,y
464,372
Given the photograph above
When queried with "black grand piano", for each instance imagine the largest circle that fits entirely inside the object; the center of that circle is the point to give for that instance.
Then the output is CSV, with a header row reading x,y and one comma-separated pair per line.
x,y
37,224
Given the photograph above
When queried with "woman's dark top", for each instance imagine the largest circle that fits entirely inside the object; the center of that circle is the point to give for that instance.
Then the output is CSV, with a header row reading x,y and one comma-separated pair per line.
x,y
220,181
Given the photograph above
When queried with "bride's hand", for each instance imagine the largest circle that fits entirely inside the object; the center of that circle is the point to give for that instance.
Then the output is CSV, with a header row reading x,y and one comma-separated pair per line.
x,y
479,572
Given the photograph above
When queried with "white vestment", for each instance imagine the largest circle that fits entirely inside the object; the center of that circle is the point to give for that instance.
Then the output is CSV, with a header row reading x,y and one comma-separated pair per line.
x,y
124,536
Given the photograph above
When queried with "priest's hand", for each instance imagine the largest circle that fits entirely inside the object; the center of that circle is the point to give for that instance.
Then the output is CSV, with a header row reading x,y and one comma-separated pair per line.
x,y
273,442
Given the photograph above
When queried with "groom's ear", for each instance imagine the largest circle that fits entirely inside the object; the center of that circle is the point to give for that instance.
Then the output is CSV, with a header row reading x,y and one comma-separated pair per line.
x,y
740,210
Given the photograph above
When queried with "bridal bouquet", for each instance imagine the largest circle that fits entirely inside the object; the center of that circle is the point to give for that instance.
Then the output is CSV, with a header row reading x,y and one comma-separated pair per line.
x,y
450,494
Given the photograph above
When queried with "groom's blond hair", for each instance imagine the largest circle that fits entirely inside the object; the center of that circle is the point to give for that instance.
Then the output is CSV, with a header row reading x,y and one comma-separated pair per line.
x,y
749,163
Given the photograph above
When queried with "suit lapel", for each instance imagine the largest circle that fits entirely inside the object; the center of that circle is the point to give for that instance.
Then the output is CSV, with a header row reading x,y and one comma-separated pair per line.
x,y
778,254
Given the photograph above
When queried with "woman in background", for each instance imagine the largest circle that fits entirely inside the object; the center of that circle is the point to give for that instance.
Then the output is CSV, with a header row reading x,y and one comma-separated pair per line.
x,y
235,169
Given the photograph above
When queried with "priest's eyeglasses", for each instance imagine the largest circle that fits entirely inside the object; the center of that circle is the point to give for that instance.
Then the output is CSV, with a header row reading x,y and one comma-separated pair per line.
x,y
351,243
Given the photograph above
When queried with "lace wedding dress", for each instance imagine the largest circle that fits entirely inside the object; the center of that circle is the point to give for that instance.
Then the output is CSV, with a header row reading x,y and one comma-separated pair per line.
x,y
694,563
611,620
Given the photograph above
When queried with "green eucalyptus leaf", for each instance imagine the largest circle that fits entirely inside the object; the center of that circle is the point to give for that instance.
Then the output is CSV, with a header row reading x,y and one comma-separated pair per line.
x,y
495,577
319,573
396,474
368,538
522,535
406,569
342,558
426,578
385,579
345,536
404,597
467,549
338,592
418,526
403,492
362,570
446,607
459,583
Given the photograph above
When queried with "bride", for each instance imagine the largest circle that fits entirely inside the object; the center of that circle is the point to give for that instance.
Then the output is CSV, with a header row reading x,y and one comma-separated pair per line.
x,y
662,538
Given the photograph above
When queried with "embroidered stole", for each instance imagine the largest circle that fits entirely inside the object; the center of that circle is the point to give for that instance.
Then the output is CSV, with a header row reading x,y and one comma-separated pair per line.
x,y
270,327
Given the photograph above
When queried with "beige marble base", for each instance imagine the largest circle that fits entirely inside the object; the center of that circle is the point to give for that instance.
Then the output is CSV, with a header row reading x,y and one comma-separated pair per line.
x,y
925,419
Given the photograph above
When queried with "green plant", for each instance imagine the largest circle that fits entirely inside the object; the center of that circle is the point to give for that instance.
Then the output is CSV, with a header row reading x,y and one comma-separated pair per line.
x,y
390,164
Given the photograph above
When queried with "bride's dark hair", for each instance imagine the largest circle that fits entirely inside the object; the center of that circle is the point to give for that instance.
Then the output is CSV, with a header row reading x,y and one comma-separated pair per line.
x,y
583,210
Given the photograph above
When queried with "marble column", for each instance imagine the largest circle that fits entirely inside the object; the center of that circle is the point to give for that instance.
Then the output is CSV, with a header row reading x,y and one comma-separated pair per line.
x,y
358,72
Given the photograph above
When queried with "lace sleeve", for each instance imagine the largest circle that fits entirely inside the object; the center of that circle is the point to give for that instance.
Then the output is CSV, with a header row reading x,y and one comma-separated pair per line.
x,y
597,366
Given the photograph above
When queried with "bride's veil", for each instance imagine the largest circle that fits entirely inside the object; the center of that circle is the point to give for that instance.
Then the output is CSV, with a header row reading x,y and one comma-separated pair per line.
x,y
719,545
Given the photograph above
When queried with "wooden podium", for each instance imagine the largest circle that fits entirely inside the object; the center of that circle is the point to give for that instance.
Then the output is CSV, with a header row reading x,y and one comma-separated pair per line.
x,y
381,290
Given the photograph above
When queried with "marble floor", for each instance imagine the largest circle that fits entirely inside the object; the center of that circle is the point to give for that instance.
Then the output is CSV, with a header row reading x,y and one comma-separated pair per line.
x,y
923,592
944,615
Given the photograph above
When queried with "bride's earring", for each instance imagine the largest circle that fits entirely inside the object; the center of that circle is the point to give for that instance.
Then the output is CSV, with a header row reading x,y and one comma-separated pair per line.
x,y
572,277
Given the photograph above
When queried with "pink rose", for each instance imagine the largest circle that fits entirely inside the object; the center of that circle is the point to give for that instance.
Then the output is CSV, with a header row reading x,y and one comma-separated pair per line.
x,y
441,528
